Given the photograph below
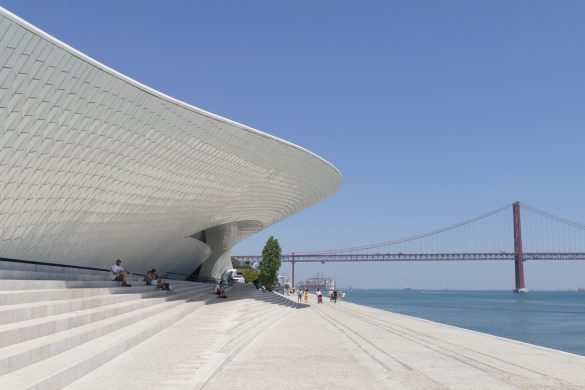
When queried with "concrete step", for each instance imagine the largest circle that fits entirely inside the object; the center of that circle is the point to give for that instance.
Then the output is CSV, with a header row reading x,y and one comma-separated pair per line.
x,y
37,284
191,349
24,284
260,312
257,316
18,356
61,273
18,332
53,275
66,367
27,311
201,342
250,325
31,296
16,266
6,267
292,301
254,320
275,299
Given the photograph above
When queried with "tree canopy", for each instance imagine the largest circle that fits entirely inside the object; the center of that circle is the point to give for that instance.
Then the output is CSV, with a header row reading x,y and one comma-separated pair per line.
x,y
250,275
270,262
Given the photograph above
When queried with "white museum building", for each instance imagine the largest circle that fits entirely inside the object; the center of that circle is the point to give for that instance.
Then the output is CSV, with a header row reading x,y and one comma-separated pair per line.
x,y
95,166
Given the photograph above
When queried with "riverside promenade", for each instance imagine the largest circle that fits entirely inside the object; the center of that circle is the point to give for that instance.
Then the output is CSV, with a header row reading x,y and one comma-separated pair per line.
x,y
255,340
349,346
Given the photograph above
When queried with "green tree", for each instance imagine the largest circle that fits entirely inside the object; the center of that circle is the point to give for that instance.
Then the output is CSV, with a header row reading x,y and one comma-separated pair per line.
x,y
270,262
250,275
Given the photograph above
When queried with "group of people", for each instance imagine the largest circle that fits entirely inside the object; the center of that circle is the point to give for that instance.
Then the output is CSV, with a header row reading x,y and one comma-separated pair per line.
x,y
120,274
334,295
300,294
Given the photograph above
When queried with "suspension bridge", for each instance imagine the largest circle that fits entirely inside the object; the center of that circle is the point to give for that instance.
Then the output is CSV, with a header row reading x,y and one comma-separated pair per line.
x,y
490,236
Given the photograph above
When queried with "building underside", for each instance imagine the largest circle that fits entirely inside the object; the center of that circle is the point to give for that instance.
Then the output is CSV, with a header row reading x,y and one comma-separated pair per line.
x,y
95,166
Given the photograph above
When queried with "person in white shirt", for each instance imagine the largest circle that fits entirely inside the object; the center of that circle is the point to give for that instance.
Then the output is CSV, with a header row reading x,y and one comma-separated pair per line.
x,y
120,274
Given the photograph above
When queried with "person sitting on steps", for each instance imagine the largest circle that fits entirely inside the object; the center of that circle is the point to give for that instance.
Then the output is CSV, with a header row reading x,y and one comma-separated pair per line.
x,y
222,290
152,278
120,274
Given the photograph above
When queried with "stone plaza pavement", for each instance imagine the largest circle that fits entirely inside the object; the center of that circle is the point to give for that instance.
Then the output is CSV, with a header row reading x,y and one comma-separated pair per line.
x,y
254,340
348,346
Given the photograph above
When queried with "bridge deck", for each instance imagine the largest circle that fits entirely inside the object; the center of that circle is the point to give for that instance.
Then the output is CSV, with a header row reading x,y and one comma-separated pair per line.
x,y
356,257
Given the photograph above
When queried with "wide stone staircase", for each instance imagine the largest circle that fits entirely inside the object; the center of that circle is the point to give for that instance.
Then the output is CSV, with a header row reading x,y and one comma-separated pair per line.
x,y
57,324
189,353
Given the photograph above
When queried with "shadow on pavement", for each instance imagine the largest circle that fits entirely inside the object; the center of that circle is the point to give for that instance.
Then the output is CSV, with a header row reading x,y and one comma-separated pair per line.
x,y
244,291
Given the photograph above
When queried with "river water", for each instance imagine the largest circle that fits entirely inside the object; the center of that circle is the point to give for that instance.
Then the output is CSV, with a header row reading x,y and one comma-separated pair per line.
x,y
553,319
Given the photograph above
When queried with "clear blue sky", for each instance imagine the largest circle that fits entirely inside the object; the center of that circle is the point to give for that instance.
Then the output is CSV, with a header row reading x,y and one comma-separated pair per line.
x,y
434,111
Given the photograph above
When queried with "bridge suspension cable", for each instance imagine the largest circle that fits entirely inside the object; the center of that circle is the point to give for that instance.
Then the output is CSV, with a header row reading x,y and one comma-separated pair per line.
x,y
409,238
548,232
554,217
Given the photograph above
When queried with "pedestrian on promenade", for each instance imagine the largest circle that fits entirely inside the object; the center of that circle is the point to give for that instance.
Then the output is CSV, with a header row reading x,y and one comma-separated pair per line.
x,y
335,296
307,295
300,296
319,296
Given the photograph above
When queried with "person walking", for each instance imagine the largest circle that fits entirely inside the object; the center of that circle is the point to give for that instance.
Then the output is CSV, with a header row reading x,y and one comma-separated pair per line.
x,y
335,296
300,296
307,295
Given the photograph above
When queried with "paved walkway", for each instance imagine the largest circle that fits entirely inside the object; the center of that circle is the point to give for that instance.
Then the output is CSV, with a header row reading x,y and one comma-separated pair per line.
x,y
347,346
249,341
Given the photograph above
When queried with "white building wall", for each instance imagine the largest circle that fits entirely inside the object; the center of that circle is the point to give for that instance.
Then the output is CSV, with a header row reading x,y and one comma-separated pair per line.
x,y
95,166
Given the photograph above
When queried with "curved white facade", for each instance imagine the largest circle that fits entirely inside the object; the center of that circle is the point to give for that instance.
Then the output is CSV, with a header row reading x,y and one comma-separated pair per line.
x,y
95,166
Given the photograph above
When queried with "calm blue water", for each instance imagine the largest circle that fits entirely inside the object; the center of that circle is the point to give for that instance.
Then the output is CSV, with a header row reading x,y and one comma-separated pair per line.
x,y
547,318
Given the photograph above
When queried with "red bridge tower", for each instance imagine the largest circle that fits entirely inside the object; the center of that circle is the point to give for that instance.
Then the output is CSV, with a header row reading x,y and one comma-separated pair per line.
x,y
518,255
